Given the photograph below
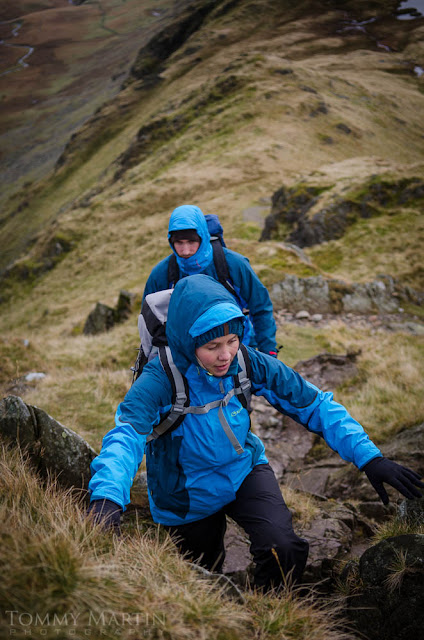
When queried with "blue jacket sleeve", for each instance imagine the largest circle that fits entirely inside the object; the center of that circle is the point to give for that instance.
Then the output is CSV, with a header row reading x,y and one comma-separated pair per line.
x,y
294,396
257,299
158,278
114,469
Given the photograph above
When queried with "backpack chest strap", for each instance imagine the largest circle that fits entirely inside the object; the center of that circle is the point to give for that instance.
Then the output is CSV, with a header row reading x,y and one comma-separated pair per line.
x,y
181,405
179,409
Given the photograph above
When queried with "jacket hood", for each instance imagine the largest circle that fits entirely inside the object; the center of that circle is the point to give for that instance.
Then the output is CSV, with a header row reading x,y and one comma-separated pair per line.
x,y
189,216
198,304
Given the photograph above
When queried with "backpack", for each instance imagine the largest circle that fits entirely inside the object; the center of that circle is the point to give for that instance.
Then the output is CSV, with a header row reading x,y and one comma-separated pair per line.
x,y
217,241
152,330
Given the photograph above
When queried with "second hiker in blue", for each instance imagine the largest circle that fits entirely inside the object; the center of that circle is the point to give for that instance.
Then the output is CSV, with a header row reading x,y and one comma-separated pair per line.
x,y
212,465
193,253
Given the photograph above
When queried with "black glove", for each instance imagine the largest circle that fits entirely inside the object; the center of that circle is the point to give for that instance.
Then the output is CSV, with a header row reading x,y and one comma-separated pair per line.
x,y
106,513
405,480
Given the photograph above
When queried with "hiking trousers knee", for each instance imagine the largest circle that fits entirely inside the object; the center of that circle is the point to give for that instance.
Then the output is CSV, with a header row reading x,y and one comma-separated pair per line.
x,y
259,508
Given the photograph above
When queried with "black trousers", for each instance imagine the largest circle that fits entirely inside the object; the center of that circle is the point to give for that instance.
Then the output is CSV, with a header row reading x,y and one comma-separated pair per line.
x,y
259,508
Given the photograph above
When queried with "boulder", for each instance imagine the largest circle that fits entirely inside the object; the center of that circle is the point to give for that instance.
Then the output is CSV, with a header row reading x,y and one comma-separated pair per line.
x,y
53,449
316,294
298,294
389,602
102,317
124,305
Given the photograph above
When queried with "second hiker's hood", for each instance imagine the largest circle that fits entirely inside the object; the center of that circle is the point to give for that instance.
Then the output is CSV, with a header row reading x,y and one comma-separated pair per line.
x,y
198,304
189,216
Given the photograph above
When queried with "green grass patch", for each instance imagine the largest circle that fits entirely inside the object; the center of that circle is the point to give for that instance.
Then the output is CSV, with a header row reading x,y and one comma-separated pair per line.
x,y
247,231
389,244
301,343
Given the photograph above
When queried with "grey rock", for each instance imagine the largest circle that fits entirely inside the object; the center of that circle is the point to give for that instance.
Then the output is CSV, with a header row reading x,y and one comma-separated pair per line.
x,y
291,219
411,327
330,540
100,319
30,377
53,449
255,214
328,370
297,294
287,442
316,294
366,298
312,480
302,315
124,305
412,511
238,563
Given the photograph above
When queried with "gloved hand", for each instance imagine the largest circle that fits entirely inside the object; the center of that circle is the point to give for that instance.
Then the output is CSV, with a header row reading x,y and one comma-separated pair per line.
x,y
405,480
106,513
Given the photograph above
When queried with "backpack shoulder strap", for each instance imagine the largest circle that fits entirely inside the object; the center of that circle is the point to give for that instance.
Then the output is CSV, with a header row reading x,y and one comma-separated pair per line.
x,y
242,379
181,400
180,396
221,266
173,271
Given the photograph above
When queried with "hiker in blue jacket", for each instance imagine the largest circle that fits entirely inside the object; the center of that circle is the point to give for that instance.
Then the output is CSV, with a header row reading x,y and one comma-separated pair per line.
x,y
189,239
212,465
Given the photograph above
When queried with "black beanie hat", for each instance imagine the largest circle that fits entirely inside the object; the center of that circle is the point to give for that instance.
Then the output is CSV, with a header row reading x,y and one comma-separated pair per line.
x,y
184,234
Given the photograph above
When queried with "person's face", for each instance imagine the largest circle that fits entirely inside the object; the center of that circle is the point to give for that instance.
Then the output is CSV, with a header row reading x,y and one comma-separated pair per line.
x,y
217,355
186,248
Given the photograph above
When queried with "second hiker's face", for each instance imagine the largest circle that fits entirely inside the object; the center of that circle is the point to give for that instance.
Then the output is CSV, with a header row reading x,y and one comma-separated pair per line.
x,y
217,355
186,248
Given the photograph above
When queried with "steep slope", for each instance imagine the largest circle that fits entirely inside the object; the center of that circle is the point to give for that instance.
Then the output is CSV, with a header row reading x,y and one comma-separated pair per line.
x,y
226,104
60,62
284,87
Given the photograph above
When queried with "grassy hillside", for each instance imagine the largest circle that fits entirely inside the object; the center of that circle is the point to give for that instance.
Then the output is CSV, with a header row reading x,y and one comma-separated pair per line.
x,y
222,117
227,103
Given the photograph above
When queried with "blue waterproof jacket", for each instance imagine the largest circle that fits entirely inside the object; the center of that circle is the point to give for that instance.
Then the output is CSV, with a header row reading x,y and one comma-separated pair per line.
x,y
260,329
195,470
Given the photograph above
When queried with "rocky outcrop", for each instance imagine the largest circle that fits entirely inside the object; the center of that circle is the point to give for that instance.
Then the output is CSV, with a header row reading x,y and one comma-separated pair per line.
x,y
389,601
324,295
406,448
54,450
150,58
290,219
102,317
49,250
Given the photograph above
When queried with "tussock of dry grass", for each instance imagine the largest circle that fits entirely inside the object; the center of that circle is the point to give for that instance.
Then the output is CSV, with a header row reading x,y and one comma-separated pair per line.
x,y
60,574
303,506
397,526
